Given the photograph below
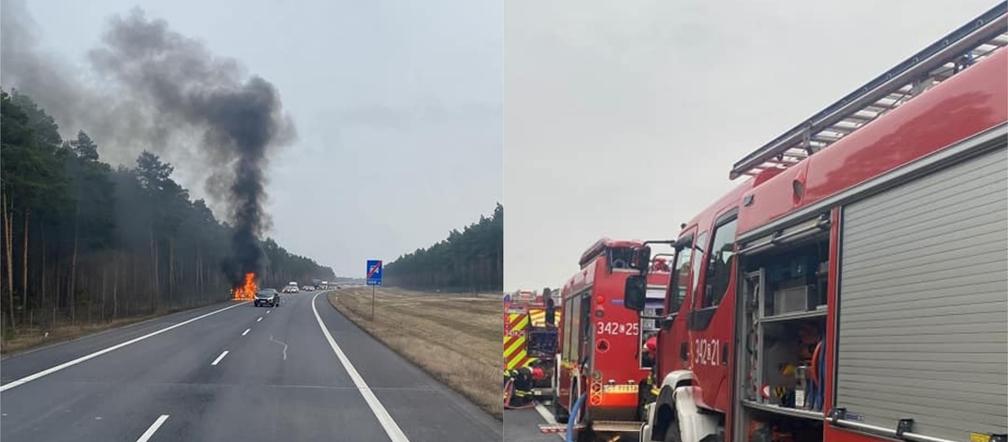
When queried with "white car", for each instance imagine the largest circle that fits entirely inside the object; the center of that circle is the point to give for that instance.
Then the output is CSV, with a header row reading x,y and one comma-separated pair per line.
x,y
290,289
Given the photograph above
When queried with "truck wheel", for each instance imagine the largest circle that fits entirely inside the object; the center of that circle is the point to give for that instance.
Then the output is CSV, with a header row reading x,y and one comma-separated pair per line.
x,y
672,433
558,412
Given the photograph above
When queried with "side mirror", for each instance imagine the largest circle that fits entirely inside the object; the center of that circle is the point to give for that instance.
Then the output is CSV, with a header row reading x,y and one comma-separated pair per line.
x,y
634,292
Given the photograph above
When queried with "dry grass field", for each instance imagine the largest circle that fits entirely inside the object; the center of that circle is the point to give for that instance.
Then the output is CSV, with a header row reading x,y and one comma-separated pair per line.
x,y
31,337
454,337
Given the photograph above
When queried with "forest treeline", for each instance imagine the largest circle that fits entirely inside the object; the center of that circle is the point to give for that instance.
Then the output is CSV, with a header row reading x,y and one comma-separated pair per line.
x,y
84,242
470,260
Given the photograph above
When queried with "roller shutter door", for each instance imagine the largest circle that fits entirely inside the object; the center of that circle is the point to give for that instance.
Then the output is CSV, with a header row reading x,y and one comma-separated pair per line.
x,y
923,316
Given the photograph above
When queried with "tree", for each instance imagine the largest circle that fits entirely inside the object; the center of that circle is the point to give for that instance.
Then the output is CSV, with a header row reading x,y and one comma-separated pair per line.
x,y
470,260
83,242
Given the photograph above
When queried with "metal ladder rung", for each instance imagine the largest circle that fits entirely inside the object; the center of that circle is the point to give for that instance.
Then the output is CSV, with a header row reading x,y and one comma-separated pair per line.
x,y
934,64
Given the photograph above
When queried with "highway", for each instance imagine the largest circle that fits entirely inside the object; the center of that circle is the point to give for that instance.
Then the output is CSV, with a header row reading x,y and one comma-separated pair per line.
x,y
232,372
522,425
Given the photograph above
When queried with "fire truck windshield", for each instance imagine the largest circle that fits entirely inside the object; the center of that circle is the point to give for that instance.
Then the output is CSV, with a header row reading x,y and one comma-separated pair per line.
x,y
620,257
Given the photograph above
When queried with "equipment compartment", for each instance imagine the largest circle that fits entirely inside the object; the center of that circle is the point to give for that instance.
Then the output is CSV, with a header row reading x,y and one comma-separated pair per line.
x,y
781,339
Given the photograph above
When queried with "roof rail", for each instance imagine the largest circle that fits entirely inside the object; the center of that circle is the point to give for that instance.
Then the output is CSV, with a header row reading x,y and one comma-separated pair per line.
x,y
936,63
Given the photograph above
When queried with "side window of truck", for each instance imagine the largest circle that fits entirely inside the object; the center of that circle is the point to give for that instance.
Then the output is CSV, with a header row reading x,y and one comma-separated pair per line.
x,y
565,317
697,258
680,277
719,263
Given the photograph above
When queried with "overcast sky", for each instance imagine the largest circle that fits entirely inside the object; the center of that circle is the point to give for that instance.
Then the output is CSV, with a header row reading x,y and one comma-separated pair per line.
x,y
623,119
397,107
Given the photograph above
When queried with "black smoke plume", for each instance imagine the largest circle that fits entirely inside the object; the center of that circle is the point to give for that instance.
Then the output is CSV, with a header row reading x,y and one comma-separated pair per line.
x,y
167,93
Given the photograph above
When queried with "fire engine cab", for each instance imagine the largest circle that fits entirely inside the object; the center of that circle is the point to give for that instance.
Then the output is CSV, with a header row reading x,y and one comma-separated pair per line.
x,y
855,287
602,361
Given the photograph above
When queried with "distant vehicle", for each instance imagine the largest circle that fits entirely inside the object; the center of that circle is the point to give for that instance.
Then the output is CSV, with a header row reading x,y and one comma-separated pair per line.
x,y
268,297
290,289
308,288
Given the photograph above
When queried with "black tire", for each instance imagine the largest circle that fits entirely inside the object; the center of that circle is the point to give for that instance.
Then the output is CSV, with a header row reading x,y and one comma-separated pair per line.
x,y
255,303
672,434
559,413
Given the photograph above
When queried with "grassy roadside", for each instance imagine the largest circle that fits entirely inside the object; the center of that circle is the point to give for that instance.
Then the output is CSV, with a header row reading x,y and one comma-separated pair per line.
x,y
28,338
455,338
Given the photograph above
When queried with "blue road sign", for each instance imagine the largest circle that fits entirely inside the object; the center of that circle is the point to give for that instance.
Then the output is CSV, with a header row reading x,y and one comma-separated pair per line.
x,y
374,267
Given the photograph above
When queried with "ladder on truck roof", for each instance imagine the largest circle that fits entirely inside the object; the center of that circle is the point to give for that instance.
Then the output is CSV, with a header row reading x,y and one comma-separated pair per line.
x,y
936,63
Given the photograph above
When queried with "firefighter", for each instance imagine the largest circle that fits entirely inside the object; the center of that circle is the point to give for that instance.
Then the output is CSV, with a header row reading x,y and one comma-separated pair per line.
x,y
647,389
522,381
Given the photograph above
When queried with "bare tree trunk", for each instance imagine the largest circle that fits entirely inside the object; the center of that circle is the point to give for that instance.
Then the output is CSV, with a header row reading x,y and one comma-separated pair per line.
x,y
73,268
44,268
101,310
24,264
171,269
115,289
9,246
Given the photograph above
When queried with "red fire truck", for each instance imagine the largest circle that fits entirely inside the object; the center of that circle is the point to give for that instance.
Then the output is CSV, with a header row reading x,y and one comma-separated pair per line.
x,y
601,342
854,288
529,338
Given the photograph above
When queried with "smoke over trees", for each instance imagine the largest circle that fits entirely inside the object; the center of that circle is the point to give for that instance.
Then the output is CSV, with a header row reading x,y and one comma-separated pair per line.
x,y
83,242
470,260
85,239
166,93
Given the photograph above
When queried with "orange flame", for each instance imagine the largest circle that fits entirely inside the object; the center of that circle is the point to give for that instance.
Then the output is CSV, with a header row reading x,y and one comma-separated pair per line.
x,y
247,291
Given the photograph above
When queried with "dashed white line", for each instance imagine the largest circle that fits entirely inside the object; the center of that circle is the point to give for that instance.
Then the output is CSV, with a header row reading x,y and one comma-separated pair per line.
x,y
384,418
52,370
246,331
267,312
260,319
219,358
154,427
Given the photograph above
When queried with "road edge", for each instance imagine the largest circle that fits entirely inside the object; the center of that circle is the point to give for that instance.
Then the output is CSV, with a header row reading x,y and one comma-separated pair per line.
x,y
499,416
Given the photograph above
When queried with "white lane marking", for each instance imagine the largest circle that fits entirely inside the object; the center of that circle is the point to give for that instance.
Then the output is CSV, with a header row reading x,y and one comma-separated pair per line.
x,y
260,319
154,427
390,426
284,344
52,370
246,331
546,415
215,361
267,312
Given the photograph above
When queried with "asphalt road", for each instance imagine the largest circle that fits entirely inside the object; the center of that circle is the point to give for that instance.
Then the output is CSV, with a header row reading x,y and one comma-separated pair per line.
x,y
281,379
522,425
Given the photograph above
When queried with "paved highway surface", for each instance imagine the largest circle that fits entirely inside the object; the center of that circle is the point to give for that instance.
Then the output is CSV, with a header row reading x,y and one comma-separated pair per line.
x,y
522,425
232,372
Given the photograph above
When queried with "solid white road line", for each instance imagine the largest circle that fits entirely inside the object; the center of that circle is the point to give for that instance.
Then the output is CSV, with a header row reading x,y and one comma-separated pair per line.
x,y
546,415
246,331
260,319
154,427
215,361
390,426
52,370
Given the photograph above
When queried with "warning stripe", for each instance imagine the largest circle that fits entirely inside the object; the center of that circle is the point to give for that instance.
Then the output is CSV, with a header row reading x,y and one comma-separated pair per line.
x,y
518,343
519,321
538,317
